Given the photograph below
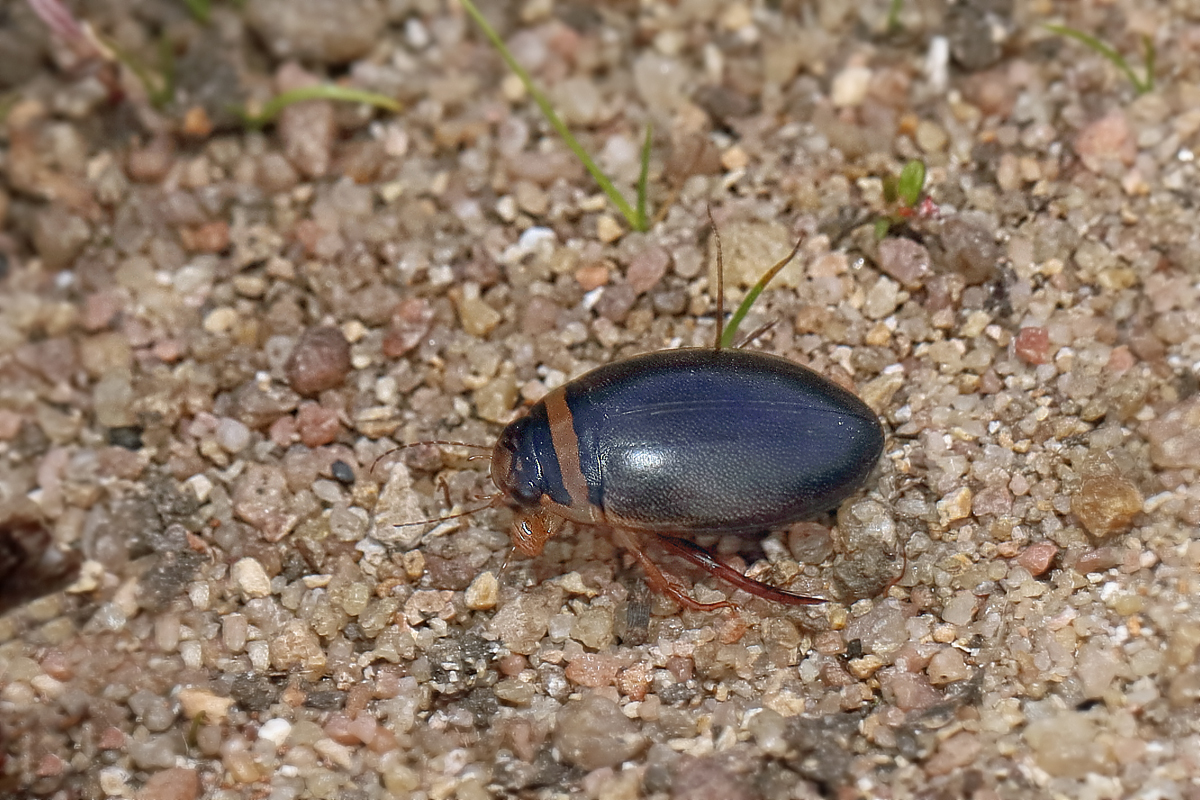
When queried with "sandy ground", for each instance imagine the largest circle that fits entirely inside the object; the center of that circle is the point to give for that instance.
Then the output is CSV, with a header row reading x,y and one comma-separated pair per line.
x,y
209,334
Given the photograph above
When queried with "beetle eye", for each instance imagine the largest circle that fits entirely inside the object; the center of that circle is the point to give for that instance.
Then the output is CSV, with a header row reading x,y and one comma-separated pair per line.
x,y
525,492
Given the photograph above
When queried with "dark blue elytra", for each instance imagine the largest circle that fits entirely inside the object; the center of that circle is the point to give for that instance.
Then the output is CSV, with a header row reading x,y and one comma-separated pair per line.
x,y
684,442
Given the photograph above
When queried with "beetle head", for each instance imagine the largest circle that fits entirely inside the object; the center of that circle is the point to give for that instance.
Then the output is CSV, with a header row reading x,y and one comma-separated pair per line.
x,y
515,468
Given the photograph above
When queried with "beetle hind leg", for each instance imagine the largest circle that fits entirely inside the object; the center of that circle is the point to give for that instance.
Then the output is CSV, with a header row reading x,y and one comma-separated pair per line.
x,y
658,580
702,558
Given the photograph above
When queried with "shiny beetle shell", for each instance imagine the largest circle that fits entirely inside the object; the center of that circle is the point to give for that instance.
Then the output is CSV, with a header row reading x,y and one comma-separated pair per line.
x,y
678,443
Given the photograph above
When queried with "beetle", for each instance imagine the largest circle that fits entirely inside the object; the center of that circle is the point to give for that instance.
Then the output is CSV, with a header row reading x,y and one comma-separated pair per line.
x,y
674,444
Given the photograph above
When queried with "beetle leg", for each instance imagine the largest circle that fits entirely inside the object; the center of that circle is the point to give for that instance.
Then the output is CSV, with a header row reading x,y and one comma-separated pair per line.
x,y
696,554
531,530
658,580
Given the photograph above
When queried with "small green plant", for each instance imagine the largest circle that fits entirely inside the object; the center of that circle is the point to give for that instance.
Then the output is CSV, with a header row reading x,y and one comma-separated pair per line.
x,y
1141,85
635,215
893,17
905,194
323,91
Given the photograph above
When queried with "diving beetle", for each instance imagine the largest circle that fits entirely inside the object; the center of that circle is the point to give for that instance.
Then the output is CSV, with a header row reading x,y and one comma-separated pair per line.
x,y
678,443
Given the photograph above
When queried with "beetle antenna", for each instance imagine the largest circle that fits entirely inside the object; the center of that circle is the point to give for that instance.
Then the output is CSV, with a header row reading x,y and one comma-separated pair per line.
x,y
720,279
400,447
755,334
492,498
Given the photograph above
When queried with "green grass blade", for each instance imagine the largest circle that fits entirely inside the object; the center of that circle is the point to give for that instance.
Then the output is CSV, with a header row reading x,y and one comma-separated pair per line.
x,y
1108,52
911,183
322,91
727,336
543,104
201,10
1149,57
644,180
893,17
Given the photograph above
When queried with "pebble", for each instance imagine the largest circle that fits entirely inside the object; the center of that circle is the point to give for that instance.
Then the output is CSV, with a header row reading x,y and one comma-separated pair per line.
x,y
1066,745
1106,505
275,731
398,505
1106,139
1037,558
326,31
232,435
320,361
251,578
410,322
592,670
261,498
647,268
176,783
956,506
750,248
221,319
195,702
1175,436
522,622
947,666
592,733
316,425
483,593
955,753
905,260
608,230
1032,345
850,86
298,648
59,236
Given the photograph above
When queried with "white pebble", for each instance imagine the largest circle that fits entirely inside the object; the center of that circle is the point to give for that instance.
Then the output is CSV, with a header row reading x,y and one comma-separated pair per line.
x,y
233,436
113,781
275,731
192,654
260,655
251,578
850,86
201,486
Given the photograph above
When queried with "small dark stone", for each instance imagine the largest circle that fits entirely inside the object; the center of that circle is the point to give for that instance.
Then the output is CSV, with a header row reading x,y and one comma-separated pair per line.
x,y
724,104
253,692
482,703
342,472
454,574
167,579
127,436
824,748
325,699
972,29
677,693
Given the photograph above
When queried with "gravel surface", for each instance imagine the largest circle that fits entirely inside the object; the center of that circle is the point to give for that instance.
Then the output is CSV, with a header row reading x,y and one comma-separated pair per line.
x,y
210,335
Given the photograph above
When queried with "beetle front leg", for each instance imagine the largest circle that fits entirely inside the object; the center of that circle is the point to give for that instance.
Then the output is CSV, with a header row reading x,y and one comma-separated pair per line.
x,y
658,580
532,529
